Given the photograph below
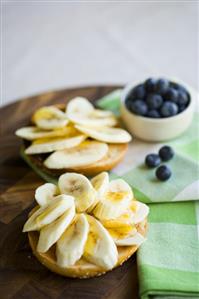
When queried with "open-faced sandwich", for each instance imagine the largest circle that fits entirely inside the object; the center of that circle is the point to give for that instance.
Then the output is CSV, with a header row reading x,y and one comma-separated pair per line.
x,y
83,228
76,138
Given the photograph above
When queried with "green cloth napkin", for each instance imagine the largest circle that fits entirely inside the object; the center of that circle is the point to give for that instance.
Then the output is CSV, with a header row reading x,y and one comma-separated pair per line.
x,y
168,262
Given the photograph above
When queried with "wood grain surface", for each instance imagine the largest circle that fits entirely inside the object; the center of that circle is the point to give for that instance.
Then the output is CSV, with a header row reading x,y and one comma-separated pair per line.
x,y
21,275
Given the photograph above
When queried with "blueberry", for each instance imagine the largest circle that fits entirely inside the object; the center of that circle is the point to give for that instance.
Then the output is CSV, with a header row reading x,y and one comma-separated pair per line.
x,y
169,109
150,84
182,108
139,107
162,86
183,98
153,114
154,101
171,95
180,87
166,153
128,102
163,173
138,92
152,160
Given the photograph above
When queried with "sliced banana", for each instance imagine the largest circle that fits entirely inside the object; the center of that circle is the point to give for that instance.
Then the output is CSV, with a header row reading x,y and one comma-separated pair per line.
x,y
49,118
133,239
100,183
105,134
115,201
50,233
121,233
81,111
45,193
123,221
53,144
122,236
86,153
79,105
48,213
92,120
70,247
32,133
80,188
100,248
141,213
102,113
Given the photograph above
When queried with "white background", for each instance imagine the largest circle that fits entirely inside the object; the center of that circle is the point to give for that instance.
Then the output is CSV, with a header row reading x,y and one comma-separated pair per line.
x,y
56,44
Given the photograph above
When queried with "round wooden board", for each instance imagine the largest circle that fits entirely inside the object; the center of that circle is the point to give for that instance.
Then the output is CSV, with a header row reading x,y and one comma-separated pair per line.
x,y
21,275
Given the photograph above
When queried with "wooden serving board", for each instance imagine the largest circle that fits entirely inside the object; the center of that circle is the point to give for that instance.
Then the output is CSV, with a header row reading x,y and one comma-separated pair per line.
x,y
21,275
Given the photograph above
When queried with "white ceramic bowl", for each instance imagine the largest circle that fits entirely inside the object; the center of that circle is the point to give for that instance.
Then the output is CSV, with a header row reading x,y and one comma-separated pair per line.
x,y
157,129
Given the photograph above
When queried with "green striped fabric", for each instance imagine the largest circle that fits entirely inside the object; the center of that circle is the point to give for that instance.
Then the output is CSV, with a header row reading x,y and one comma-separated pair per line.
x,y
168,262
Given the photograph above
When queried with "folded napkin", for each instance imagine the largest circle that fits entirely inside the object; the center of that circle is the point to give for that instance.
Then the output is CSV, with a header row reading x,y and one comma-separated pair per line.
x,y
168,262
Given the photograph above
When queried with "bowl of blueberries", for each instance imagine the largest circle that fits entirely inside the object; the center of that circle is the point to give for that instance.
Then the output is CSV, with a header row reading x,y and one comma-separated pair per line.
x,y
157,109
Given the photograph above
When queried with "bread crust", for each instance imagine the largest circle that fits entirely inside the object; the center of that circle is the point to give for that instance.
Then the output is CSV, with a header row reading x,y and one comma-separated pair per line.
x,y
82,268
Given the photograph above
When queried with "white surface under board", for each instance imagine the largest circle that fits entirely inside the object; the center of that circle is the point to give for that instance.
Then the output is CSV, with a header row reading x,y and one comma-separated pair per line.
x,y
56,44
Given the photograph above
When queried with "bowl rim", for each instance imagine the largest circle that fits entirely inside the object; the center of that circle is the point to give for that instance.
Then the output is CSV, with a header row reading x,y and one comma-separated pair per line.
x,y
129,86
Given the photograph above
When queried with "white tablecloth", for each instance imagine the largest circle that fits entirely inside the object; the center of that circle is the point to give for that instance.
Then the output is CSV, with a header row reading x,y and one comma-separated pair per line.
x,y
55,44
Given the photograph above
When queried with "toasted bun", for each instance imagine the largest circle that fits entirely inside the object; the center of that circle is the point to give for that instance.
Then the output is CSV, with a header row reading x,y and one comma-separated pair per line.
x,y
82,269
115,154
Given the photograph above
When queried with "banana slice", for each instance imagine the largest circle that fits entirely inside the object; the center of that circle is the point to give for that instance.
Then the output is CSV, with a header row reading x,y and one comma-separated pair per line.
x,y
53,144
48,213
115,201
100,248
86,153
102,113
100,183
50,233
140,214
133,239
80,188
45,193
79,105
121,233
81,111
124,222
49,118
70,247
105,134
32,133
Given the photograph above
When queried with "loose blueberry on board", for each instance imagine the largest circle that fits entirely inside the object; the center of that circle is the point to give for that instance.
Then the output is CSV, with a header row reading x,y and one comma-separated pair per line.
x,y
150,84
166,153
169,109
139,107
152,160
162,86
171,95
153,114
163,173
154,101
